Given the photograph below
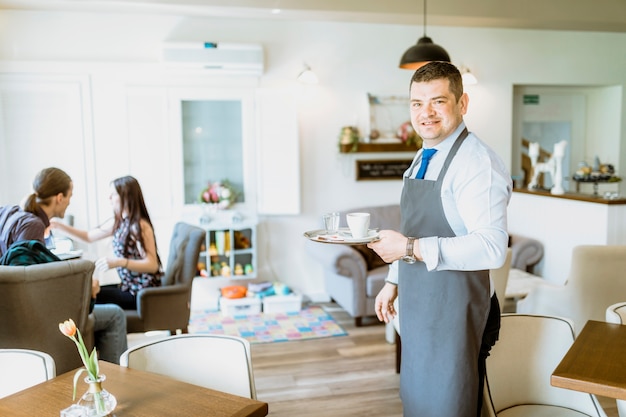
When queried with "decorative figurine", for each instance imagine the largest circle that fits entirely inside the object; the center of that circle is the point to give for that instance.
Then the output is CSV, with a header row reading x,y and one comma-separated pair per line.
x,y
554,166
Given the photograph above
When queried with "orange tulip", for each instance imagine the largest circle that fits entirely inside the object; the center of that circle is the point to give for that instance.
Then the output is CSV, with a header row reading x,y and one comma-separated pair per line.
x,y
68,328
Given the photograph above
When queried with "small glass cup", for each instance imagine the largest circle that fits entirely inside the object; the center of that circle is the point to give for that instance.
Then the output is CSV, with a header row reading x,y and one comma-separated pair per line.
x,y
331,222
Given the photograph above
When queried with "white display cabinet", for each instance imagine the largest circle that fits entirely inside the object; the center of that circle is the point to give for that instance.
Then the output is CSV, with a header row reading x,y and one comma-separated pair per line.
x,y
230,249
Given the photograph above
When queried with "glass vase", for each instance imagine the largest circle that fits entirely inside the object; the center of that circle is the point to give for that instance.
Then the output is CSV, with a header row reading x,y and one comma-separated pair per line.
x,y
98,401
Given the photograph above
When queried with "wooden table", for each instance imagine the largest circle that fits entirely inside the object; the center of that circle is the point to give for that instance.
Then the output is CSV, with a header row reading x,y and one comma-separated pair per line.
x,y
138,394
596,362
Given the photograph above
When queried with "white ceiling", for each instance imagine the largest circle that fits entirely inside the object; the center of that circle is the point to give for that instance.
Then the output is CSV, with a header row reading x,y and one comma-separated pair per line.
x,y
578,15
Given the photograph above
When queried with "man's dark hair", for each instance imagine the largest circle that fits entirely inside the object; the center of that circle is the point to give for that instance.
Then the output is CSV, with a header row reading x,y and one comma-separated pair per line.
x,y
437,70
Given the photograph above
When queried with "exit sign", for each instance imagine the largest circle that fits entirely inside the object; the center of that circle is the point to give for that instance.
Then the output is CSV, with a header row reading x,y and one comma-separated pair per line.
x,y
531,98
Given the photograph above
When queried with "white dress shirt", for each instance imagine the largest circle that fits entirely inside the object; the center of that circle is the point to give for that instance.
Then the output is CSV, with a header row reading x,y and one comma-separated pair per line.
x,y
475,194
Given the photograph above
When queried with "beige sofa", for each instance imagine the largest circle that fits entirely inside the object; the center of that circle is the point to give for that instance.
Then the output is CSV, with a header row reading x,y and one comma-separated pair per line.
x,y
353,275
36,298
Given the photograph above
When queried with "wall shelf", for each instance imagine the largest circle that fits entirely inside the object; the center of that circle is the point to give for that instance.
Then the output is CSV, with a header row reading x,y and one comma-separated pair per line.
x,y
378,147
590,198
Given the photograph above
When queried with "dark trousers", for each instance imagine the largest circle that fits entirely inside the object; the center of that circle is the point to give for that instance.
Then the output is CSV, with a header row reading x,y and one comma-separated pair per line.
x,y
490,336
112,294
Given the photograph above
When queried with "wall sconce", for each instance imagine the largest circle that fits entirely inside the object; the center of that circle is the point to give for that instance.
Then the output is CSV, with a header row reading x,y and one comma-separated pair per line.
x,y
307,76
468,77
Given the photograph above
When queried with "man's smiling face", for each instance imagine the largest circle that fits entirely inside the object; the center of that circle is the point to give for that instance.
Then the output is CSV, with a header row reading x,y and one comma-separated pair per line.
x,y
435,111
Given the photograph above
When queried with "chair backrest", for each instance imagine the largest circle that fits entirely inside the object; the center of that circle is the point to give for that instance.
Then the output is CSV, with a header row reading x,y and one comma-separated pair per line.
x,y
36,298
596,280
382,217
616,313
218,362
182,261
500,277
23,368
520,364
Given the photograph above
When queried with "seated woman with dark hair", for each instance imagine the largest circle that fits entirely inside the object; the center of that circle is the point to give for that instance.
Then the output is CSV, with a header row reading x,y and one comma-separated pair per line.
x,y
134,244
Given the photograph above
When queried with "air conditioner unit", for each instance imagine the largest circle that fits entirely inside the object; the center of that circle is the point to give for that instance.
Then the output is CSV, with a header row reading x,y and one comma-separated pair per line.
x,y
235,58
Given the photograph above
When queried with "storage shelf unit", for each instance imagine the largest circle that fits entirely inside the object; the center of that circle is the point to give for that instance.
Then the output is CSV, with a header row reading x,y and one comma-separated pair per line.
x,y
230,245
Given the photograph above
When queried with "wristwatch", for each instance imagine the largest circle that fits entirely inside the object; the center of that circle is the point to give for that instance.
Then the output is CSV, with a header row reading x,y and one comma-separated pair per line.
x,y
409,258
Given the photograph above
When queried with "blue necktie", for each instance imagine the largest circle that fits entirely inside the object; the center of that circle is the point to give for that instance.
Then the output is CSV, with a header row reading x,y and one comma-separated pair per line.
x,y
426,155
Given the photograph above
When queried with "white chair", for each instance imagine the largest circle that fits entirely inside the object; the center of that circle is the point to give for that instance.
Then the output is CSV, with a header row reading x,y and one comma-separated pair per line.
x,y
595,281
616,313
217,362
517,382
23,368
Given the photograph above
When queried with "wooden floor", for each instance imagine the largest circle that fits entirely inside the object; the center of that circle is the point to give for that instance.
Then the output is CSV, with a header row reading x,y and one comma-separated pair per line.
x,y
345,376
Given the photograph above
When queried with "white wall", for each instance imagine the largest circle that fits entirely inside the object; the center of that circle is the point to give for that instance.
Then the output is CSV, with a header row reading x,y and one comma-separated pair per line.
x,y
561,225
350,60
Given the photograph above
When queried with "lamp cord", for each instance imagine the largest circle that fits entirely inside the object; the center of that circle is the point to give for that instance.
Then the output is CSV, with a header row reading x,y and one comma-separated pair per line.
x,y
424,18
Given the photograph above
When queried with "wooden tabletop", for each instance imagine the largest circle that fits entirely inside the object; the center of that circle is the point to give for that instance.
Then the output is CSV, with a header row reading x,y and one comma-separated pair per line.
x,y
596,362
138,394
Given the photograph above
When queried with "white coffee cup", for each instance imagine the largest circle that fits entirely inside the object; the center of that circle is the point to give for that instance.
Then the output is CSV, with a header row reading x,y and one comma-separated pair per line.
x,y
359,224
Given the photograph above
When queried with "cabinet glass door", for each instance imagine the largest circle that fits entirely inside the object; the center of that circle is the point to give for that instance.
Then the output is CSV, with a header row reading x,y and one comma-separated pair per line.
x,y
212,146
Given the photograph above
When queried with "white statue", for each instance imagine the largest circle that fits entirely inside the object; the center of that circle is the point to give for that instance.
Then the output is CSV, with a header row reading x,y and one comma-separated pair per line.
x,y
554,166
557,175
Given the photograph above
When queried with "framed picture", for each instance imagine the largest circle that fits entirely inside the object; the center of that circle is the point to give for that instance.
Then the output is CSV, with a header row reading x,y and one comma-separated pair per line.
x,y
388,115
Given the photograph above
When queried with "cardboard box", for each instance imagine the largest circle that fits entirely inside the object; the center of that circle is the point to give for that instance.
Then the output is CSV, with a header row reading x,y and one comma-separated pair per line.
x,y
239,306
291,303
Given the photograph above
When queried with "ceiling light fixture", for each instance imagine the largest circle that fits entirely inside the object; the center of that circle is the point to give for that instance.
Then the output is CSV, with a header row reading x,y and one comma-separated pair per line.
x,y
307,76
276,9
468,77
424,51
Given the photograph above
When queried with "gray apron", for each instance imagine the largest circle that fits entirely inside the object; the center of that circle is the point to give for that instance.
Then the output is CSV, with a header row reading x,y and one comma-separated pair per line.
x,y
443,314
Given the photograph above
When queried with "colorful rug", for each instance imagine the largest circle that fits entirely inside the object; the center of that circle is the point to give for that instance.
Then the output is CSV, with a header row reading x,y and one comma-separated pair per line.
x,y
310,323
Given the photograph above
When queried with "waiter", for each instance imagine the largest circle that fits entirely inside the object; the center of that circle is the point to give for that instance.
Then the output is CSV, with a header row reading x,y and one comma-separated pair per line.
x,y
453,230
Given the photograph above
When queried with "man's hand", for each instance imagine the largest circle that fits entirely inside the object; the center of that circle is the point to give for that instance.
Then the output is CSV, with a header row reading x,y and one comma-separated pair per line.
x,y
384,303
391,246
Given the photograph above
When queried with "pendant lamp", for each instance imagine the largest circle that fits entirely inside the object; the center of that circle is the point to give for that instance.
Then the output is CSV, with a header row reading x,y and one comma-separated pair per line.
x,y
424,51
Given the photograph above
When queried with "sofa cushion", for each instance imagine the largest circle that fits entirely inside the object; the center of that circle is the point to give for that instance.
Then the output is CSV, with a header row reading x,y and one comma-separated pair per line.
x,y
376,280
382,217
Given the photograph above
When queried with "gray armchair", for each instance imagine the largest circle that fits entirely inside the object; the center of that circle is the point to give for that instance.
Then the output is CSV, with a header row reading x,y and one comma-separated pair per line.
x,y
36,298
526,252
353,275
167,307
